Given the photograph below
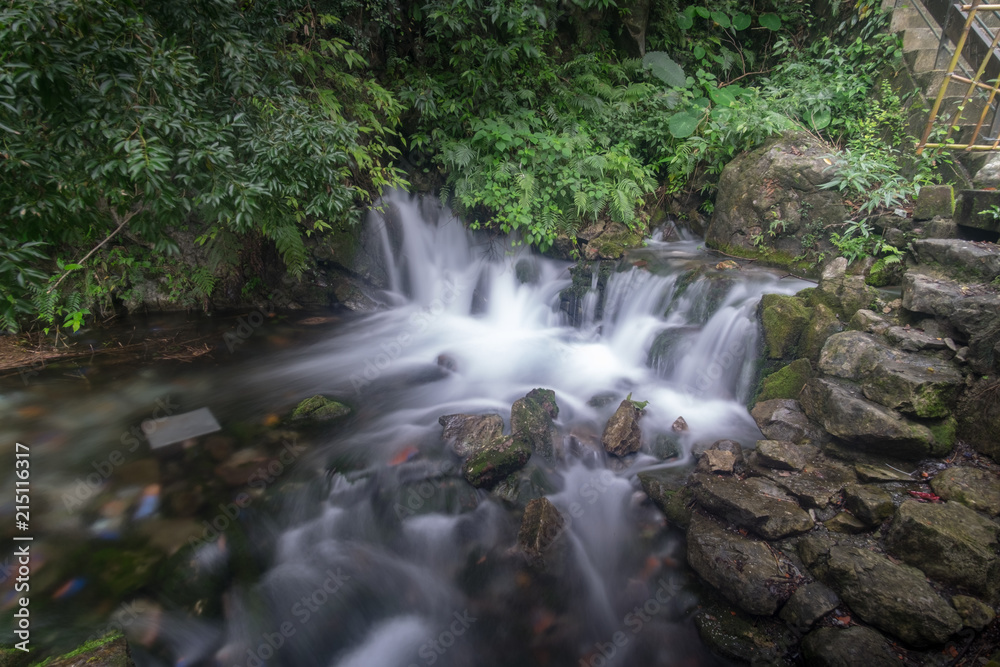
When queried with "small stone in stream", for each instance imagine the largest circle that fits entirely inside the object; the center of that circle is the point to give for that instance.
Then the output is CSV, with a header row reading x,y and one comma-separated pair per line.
x,y
622,435
319,408
531,421
808,604
539,537
727,265
666,447
974,613
856,645
716,461
784,455
465,433
679,425
735,448
447,362
491,464
869,504
845,522
973,487
875,473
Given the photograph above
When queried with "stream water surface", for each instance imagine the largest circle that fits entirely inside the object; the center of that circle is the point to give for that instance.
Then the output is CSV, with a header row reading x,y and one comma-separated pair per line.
x,y
365,546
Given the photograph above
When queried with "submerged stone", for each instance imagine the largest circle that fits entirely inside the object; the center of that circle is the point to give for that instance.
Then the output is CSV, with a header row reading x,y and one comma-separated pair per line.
x,y
542,527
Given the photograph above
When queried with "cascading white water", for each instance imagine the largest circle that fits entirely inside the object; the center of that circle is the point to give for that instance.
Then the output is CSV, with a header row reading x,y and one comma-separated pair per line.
x,y
388,574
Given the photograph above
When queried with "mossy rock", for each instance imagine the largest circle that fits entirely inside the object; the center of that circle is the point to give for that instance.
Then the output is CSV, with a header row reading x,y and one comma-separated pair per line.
x,y
823,324
784,319
787,382
319,409
109,651
944,434
494,462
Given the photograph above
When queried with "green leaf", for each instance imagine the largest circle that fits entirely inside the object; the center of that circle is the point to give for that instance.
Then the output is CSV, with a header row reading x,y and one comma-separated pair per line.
x,y
820,119
721,18
702,12
722,96
770,21
741,21
699,52
683,124
684,22
664,68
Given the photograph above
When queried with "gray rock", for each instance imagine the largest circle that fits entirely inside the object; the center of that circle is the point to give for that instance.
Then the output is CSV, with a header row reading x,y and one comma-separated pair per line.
x,y
868,472
932,296
893,598
845,522
870,504
949,542
755,504
495,460
978,261
539,538
914,340
783,419
780,179
808,604
818,485
846,414
973,487
466,433
851,355
824,323
868,321
622,435
741,568
934,201
848,647
716,462
845,290
784,455
974,613
666,488
731,446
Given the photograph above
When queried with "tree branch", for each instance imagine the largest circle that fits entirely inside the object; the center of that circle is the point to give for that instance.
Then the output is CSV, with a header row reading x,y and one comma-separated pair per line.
x,y
114,216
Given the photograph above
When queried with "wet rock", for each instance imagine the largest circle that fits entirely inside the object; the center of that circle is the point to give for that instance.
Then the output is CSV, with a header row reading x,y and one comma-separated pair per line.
x,y
845,522
893,598
975,261
913,384
783,419
466,433
848,647
974,613
612,242
914,340
716,462
786,382
973,487
847,292
816,486
531,421
755,640
524,485
808,604
318,409
622,435
784,455
743,569
869,321
755,504
731,446
488,466
784,318
670,346
949,542
846,414
870,504
679,425
527,271
666,488
851,355
539,537
666,446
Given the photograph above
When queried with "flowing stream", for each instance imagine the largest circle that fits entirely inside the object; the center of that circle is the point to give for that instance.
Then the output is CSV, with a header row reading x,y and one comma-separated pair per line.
x,y
371,550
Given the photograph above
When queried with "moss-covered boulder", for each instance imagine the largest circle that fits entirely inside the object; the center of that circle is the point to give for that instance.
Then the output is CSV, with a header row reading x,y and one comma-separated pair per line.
x,y
666,488
495,460
844,292
823,324
531,421
894,598
612,242
319,409
786,382
108,651
868,503
950,543
784,319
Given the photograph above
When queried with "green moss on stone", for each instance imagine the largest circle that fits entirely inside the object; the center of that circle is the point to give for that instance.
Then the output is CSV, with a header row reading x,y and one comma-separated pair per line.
x,y
787,382
784,319
319,408
944,435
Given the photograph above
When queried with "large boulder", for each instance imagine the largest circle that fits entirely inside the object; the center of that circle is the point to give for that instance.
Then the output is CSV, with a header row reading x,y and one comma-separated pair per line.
x,y
783,419
756,504
856,645
845,413
845,292
973,487
956,257
949,542
773,194
744,570
894,598
784,318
